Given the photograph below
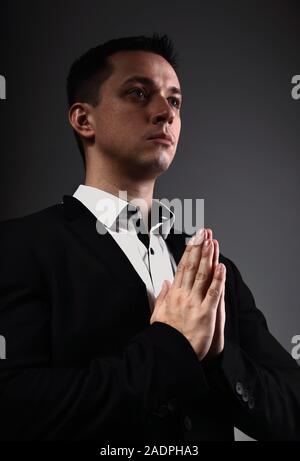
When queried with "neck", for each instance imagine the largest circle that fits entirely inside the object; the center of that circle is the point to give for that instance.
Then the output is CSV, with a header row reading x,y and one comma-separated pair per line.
x,y
111,179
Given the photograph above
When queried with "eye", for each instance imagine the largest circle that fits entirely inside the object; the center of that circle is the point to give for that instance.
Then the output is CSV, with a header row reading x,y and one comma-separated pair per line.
x,y
138,92
176,102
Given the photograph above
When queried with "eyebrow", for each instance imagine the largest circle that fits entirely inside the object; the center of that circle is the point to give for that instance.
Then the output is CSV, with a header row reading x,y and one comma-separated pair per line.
x,y
149,81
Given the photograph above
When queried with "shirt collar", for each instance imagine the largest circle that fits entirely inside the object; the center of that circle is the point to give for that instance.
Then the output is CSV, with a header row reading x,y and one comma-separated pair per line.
x,y
107,208
163,218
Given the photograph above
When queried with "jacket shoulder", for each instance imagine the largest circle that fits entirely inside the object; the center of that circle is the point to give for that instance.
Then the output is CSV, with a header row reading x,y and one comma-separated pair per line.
x,y
30,227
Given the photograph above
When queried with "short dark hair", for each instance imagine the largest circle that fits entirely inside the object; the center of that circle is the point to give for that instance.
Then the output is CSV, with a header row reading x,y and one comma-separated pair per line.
x,y
89,71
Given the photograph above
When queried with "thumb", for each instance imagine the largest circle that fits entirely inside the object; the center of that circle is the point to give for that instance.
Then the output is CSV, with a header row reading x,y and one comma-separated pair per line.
x,y
159,302
164,290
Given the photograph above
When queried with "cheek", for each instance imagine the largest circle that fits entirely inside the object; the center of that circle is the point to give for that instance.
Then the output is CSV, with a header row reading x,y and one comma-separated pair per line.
x,y
118,120
107,122
177,128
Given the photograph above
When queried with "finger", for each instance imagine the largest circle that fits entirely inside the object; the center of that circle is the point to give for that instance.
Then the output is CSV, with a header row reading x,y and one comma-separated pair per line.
x,y
215,260
220,320
203,276
180,268
210,233
216,253
214,292
222,309
183,262
193,261
217,344
220,312
199,236
210,236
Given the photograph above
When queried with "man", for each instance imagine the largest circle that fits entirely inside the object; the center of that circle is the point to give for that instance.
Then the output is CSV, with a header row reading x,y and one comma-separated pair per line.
x,y
97,346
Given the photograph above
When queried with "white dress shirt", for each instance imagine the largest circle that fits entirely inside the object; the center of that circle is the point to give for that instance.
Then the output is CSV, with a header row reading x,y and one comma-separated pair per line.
x,y
153,266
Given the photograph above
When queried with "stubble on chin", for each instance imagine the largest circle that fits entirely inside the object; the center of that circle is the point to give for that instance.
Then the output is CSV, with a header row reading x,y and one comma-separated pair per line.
x,y
149,166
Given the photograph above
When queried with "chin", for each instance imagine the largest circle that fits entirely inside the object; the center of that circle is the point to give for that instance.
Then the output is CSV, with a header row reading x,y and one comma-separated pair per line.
x,y
152,163
158,164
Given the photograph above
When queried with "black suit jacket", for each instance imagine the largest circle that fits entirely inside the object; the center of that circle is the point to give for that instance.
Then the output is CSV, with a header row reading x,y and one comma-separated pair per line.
x,y
83,362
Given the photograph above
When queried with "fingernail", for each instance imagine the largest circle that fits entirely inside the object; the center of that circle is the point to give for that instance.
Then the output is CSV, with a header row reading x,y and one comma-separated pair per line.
x,y
200,231
191,241
198,237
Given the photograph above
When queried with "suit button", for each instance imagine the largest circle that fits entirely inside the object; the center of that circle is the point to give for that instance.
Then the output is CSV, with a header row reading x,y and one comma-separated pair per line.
x,y
172,404
251,403
162,411
152,251
239,388
245,395
187,423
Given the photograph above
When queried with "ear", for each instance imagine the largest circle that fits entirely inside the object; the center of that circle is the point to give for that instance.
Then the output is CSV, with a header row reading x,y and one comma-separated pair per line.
x,y
81,120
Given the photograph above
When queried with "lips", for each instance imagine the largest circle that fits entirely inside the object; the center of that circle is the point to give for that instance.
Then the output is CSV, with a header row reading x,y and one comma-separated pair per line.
x,y
162,137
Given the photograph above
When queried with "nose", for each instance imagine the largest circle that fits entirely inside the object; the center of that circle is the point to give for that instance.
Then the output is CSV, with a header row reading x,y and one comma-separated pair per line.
x,y
162,111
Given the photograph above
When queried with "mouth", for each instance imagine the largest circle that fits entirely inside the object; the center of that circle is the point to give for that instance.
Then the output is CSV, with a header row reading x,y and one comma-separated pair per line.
x,y
161,138
163,141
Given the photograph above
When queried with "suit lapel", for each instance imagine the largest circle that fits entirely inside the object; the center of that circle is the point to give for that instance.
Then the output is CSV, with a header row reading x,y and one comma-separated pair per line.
x,y
176,243
86,227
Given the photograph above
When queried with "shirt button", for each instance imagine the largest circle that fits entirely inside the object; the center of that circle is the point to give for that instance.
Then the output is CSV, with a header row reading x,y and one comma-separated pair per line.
x,y
152,251
251,403
162,411
239,388
172,405
245,395
187,423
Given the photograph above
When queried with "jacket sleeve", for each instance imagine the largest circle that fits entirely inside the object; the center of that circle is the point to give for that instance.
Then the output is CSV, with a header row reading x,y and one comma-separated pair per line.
x,y
256,376
112,397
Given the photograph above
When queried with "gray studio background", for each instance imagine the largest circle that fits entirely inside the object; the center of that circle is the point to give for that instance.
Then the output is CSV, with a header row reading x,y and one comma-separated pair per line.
x,y
239,147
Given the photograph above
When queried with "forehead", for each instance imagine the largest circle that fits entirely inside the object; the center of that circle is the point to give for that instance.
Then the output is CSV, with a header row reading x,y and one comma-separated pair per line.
x,y
151,65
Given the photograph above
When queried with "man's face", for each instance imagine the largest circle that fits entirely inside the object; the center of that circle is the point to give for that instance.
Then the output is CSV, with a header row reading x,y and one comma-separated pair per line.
x,y
141,99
